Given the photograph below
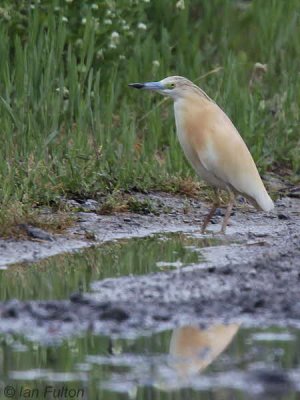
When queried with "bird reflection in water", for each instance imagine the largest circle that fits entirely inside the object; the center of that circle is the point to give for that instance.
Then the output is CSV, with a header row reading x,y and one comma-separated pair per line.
x,y
193,349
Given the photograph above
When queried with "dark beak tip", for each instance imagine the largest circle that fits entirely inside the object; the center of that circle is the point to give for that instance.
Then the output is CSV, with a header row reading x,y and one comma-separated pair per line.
x,y
136,85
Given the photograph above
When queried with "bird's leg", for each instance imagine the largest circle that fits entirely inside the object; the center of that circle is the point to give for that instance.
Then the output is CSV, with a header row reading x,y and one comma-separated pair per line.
x,y
211,212
228,212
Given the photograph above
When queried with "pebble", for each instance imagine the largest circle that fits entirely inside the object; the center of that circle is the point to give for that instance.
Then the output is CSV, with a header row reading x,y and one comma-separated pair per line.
x,y
36,233
283,216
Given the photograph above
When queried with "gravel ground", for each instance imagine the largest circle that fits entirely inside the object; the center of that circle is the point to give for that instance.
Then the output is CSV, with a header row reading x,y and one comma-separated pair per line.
x,y
252,277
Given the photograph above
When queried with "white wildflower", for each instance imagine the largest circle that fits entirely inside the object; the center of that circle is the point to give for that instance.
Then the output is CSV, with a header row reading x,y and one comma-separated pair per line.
x,y
79,42
142,26
64,91
122,57
107,21
262,105
180,5
114,39
115,36
96,22
69,1
155,63
95,6
261,67
32,6
64,19
99,53
4,13
83,21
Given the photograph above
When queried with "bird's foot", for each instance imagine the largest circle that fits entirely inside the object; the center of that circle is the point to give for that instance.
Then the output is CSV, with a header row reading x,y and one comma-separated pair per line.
x,y
206,232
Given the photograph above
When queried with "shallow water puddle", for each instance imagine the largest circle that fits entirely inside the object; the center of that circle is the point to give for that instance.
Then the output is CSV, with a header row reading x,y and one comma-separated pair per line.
x,y
59,276
216,362
219,362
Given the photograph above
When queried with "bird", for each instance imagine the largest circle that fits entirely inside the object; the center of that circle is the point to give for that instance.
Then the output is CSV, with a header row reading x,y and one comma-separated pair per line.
x,y
212,145
193,349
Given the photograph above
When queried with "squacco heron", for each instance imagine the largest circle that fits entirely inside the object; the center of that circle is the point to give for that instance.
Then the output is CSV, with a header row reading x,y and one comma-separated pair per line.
x,y
212,145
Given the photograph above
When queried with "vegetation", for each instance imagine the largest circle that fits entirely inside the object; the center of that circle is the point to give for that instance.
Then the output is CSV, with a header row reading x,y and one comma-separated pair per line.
x,y
71,127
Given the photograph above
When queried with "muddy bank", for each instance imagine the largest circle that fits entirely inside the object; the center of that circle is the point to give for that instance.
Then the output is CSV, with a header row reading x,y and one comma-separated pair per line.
x,y
259,293
168,213
252,277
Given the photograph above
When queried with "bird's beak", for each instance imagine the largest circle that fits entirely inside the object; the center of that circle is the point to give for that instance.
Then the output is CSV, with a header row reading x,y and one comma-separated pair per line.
x,y
147,85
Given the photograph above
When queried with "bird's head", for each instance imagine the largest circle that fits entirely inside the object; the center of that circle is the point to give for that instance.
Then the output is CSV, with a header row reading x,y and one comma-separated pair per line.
x,y
172,86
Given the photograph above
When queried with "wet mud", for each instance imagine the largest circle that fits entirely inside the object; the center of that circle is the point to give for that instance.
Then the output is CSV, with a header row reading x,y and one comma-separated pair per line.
x,y
251,276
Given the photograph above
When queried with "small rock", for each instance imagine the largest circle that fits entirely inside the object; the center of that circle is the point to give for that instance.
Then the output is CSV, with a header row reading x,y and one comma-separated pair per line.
x,y
226,271
283,216
259,234
219,212
272,377
68,317
246,287
36,233
115,313
78,297
91,205
11,309
161,317
294,192
102,306
90,235
9,312
259,303
211,269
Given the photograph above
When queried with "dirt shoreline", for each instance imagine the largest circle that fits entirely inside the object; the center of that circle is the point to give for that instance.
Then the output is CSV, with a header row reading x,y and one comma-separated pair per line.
x,y
252,278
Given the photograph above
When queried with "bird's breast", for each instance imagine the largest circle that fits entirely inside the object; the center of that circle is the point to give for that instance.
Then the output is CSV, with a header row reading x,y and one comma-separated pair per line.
x,y
181,131
184,137
193,138
190,125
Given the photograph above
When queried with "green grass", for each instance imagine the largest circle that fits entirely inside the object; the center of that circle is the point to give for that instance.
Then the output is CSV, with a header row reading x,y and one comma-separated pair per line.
x,y
71,126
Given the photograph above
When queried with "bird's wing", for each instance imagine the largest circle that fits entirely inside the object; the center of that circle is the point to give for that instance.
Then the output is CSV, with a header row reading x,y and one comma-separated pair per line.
x,y
224,154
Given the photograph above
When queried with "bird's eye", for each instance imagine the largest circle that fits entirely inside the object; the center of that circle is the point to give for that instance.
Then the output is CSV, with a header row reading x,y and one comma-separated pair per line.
x,y
170,85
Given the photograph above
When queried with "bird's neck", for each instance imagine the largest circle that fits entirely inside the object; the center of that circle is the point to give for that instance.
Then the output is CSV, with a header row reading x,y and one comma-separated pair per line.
x,y
190,101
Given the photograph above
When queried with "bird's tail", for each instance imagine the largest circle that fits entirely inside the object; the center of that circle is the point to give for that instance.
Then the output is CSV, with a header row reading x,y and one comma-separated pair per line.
x,y
264,201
